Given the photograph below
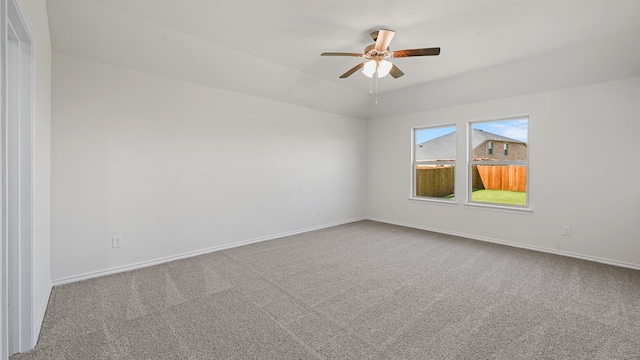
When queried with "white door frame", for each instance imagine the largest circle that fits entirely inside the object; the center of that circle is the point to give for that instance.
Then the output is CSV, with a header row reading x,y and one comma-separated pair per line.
x,y
17,128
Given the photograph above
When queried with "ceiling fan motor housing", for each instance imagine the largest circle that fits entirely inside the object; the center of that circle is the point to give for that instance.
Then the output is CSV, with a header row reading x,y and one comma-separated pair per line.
x,y
369,48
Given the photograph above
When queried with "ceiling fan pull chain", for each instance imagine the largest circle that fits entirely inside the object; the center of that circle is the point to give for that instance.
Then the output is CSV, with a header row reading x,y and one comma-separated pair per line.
x,y
371,86
376,87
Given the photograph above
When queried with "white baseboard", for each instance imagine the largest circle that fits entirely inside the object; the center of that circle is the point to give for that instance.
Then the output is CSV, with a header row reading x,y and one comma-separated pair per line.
x,y
40,316
512,244
147,263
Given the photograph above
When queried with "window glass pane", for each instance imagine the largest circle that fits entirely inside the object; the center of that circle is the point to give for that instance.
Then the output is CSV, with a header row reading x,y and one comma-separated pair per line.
x,y
499,177
435,181
434,162
500,184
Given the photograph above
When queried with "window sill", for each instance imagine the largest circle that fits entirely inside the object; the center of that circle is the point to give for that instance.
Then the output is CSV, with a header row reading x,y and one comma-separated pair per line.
x,y
434,201
499,208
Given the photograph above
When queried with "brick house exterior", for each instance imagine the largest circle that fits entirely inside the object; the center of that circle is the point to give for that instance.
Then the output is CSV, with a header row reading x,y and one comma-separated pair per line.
x,y
495,150
486,146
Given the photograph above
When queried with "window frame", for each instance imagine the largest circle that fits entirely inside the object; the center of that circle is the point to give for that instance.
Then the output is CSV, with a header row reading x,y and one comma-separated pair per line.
x,y
413,164
470,163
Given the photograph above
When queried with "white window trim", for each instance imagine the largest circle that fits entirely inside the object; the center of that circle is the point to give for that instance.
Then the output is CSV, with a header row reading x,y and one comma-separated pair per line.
x,y
469,191
499,207
412,189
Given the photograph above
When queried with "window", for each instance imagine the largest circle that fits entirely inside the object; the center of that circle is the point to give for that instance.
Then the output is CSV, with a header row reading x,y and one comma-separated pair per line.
x,y
499,179
434,157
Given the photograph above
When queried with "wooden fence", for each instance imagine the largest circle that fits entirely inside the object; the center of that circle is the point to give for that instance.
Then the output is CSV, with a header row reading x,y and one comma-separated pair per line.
x,y
500,177
434,181
438,181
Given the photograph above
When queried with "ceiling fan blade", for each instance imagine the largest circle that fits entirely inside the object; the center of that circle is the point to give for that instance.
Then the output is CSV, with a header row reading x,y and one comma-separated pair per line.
x,y
384,38
352,70
341,54
395,72
416,52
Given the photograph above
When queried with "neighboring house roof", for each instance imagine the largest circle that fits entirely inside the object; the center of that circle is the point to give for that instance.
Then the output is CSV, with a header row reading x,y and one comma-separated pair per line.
x,y
440,148
478,137
443,147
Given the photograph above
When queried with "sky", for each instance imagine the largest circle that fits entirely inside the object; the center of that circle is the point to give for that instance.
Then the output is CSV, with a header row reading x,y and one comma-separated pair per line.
x,y
512,128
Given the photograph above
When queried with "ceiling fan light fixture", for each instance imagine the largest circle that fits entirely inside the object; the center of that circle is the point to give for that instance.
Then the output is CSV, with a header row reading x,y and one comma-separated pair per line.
x,y
384,67
375,56
369,68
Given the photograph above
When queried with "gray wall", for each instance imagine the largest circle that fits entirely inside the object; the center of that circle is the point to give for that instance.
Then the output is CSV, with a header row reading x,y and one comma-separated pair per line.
x,y
177,168
572,180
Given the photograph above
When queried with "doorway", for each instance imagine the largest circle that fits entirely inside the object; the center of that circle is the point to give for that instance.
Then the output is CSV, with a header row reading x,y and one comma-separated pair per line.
x,y
17,183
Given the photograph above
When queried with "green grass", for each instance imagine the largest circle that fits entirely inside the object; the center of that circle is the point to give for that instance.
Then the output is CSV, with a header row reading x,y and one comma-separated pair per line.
x,y
500,197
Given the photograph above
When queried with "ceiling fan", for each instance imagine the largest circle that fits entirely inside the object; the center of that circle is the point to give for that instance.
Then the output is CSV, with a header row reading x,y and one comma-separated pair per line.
x,y
376,55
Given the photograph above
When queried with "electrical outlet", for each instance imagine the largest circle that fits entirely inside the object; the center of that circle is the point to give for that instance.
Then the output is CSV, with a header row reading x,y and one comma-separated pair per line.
x,y
393,207
319,211
566,230
116,242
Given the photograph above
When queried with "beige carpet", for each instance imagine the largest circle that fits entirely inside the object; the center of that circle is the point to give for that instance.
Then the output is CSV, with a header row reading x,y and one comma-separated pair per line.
x,y
364,290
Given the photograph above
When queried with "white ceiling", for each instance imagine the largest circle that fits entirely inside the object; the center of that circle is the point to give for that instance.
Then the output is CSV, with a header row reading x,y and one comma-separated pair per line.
x,y
272,48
